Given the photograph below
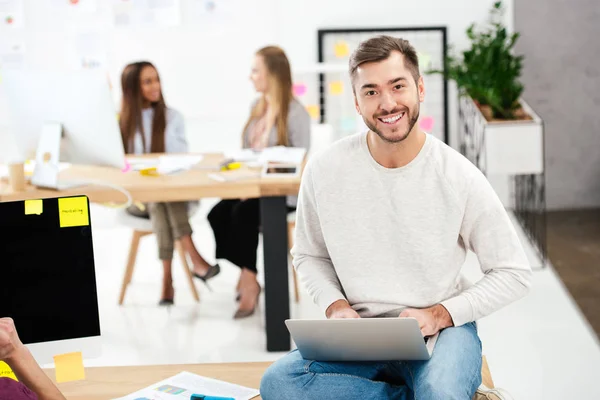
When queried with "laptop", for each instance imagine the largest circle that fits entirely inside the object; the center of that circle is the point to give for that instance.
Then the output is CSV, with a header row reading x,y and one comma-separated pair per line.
x,y
361,339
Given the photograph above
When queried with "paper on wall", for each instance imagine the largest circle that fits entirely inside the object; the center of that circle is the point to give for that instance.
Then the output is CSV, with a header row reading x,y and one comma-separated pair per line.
x,y
12,14
133,13
12,53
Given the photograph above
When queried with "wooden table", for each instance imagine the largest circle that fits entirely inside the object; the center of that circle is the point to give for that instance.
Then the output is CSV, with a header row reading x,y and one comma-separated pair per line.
x,y
113,382
196,184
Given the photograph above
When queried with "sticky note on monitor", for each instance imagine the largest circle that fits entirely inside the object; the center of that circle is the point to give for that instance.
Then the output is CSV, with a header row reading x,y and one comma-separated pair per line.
x,y
336,88
73,211
341,49
34,207
69,367
6,372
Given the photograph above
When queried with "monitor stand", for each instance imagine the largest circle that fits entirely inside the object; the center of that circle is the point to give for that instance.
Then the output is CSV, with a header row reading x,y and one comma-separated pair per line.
x,y
47,165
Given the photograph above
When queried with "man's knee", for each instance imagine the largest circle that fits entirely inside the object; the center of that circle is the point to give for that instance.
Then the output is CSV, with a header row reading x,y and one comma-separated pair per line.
x,y
436,390
283,378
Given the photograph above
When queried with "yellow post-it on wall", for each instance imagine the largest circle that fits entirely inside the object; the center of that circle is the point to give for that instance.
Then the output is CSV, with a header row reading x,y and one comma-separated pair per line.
x,y
336,88
73,211
341,49
6,372
34,207
313,111
69,367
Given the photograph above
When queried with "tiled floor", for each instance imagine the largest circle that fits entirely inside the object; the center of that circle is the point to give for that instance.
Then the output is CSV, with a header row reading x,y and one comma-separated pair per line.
x,y
537,348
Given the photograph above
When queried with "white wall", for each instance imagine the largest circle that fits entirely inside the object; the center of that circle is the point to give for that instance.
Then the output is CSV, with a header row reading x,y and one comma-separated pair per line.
x,y
205,66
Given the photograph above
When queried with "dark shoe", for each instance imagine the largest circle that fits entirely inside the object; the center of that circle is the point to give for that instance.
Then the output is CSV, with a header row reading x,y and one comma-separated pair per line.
x,y
239,314
166,302
212,272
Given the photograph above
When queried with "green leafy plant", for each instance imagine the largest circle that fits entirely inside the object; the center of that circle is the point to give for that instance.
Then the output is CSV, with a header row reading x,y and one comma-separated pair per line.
x,y
489,71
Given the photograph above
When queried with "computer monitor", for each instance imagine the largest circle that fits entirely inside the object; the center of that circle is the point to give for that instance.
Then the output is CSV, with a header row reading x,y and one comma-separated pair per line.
x,y
79,100
48,276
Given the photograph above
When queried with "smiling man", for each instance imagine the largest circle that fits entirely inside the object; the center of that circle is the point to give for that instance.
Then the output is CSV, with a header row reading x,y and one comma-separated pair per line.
x,y
385,219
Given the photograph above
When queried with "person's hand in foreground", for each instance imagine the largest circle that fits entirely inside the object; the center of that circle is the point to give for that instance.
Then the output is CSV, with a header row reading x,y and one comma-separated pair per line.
x,y
20,360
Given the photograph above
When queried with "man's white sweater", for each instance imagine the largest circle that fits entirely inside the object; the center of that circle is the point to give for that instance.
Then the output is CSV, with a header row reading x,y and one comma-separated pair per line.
x,y
386,239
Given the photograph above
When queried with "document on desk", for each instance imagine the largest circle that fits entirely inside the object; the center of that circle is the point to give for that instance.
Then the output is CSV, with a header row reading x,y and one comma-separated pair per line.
x,y
282,154
165,165
243,155
176,163
185,384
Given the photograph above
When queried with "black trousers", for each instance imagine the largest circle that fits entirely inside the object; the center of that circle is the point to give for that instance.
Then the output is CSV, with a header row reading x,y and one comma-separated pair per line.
x,y
236,225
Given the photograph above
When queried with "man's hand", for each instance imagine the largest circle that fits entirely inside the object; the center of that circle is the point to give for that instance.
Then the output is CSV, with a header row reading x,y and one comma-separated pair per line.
x,y
431,320
341,309
9,340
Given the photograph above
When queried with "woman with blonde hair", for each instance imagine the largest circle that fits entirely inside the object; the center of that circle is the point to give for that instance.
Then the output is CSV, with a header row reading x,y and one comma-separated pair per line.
x,y
276,119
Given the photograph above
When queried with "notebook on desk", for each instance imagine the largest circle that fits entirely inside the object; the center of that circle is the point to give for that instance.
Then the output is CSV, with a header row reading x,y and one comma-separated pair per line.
x,y
235,175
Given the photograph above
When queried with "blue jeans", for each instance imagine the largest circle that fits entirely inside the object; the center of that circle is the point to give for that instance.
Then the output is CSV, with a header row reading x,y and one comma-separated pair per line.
x,y
453,372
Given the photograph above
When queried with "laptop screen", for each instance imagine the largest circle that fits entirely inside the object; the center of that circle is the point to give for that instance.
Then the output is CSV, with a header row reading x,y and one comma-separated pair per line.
x,y
48,280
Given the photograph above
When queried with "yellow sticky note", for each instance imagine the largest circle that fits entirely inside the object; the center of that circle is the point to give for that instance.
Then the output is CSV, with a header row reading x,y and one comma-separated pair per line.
x,y
69,367
341,49
336,88
73,211
313,111
6,372
34,207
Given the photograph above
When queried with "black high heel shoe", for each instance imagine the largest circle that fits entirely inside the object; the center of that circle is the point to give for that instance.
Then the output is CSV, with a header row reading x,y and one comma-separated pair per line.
x,y
211,273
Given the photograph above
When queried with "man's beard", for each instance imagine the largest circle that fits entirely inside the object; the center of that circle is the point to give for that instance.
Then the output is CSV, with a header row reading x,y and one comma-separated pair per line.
x,y
411,123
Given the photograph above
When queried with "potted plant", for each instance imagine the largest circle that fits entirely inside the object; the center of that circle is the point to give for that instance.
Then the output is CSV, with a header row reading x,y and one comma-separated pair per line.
x,y
489,71
498,131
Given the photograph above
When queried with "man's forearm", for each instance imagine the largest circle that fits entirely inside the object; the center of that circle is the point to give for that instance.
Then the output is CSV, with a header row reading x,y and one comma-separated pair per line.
x,y
31,375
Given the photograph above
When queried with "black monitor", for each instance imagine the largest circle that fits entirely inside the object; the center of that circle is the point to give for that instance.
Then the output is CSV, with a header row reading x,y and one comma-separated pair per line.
x,y
48,275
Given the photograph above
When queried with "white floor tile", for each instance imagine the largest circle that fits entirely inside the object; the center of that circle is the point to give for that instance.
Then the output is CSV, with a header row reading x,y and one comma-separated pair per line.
x,y
538,348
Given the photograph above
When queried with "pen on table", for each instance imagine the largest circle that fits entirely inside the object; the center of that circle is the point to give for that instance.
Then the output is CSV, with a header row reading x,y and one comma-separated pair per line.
x,y
204,397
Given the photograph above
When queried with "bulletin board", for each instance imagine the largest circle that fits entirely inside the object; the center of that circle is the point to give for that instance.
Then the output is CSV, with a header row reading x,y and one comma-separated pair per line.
x,y
336,102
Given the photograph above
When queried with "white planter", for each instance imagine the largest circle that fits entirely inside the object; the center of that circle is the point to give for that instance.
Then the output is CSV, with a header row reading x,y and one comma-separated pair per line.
x,y
502,150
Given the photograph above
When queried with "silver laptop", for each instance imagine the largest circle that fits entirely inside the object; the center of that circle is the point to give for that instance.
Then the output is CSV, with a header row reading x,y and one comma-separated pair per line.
x,y
361,339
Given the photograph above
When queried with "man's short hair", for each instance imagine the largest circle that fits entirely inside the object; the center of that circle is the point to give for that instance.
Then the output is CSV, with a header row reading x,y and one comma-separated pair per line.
x,y
379,48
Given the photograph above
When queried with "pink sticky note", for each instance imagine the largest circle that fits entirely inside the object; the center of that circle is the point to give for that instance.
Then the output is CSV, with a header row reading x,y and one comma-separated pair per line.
x,y
299,89
426,123
127,167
